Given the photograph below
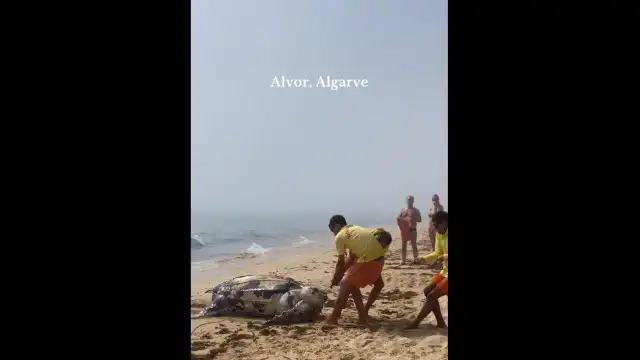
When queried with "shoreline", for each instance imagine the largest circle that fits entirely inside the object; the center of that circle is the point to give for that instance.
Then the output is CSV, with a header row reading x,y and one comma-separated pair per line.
x,y
399,301
222,265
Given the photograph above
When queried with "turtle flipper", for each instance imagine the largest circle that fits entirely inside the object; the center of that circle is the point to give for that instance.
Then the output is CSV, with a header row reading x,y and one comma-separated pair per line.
x,y
211,311
221,306
301,312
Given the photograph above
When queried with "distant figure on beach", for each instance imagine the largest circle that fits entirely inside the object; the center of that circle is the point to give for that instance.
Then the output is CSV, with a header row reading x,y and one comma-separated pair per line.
x,y
435,207
367,249
439,284
408,223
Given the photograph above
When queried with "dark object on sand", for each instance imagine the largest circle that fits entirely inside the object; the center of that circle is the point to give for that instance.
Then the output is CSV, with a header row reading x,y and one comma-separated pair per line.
x,y
285,300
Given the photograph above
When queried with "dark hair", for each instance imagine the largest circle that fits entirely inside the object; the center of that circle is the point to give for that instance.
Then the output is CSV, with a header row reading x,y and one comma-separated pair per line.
x,y
385,239
439,217
337,220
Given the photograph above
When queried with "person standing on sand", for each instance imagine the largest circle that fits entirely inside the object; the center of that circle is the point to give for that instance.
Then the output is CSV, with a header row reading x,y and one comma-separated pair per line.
x,y
435,207
367,249
439,284
411,216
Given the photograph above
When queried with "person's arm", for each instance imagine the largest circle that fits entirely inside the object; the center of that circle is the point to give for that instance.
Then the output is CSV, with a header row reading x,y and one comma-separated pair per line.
x,y
350,261
403,216
433,257
340,265
339,272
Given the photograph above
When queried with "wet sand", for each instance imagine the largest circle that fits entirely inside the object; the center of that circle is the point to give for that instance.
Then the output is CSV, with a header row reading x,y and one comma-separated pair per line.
x,y
383,338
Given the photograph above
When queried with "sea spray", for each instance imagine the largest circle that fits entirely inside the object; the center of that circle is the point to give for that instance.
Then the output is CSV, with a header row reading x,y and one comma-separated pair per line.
x,y
256,249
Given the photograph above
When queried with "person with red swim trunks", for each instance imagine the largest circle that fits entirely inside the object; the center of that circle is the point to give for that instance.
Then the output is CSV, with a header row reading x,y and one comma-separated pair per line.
x,y
408,223
367,249
439,284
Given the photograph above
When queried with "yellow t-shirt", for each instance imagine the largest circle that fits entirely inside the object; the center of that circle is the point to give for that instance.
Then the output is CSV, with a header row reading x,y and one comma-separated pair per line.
x,y
442,248
361,241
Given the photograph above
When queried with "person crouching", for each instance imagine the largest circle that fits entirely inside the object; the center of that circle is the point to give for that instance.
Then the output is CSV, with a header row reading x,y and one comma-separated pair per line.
x,y
367,249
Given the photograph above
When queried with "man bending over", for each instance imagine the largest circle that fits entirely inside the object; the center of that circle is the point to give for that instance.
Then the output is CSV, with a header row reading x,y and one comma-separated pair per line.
x,y
367,248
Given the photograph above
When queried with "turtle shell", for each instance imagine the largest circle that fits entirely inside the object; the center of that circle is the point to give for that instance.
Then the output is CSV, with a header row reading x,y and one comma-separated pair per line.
x,y
266,285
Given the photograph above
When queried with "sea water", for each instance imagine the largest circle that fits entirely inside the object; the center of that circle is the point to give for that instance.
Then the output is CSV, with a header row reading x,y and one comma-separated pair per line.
x,y
221,240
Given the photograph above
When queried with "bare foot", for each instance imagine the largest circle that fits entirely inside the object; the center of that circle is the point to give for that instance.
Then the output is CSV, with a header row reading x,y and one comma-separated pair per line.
x,y
411,326
441,326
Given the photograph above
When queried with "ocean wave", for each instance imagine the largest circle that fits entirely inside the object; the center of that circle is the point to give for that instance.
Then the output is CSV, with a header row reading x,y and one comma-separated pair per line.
x,y
303,241
251,252
203,239
196,241
241,245
256,249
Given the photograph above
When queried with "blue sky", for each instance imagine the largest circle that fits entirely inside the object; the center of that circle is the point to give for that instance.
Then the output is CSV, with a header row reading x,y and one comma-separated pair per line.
x,y
316,150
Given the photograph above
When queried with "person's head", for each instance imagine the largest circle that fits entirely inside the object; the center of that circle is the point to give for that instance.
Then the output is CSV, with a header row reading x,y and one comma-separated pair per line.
x,y
384,238
336,223
435,199
441,221
410,200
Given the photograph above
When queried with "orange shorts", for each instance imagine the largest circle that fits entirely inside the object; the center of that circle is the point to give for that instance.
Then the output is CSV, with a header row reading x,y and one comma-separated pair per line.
x,y
441,283
363,274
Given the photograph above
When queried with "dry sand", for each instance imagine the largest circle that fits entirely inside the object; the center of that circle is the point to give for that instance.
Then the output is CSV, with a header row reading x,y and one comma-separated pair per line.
x,y
384,338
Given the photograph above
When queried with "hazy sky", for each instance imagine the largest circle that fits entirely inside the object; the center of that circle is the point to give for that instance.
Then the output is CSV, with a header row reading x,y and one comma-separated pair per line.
x,y
313,149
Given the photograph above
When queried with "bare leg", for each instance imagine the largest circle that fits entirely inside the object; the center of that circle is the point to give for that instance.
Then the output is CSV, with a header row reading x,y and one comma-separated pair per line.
x,y
357,299
404,251
341,302
432,301
414,245
429,288
426,308
373,296
438,314
432,237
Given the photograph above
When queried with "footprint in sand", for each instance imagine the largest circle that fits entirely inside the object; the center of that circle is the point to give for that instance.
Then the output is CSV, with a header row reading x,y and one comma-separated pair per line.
x,y
398,295
268,332
198,304
240,336
200,345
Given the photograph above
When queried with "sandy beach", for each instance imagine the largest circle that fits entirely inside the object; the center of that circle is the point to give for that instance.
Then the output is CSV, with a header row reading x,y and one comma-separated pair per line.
x,y
383,338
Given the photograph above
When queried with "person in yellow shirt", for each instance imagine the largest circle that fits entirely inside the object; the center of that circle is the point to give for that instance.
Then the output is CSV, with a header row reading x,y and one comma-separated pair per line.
x,y
439,284
367,249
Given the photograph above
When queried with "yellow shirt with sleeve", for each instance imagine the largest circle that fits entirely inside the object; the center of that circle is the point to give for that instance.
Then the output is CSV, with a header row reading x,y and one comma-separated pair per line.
x,y
442,249
360,241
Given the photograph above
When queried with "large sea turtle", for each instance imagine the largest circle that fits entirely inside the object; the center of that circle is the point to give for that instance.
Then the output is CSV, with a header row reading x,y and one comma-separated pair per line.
x,y
283,299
